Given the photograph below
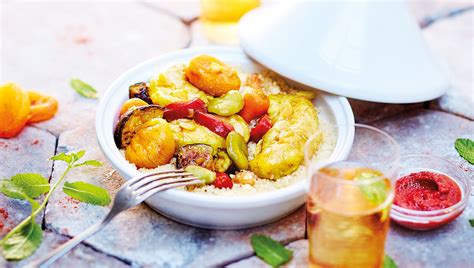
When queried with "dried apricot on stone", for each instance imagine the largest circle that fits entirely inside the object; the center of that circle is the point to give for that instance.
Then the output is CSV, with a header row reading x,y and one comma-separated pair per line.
x,y
14,110
212,75
42,107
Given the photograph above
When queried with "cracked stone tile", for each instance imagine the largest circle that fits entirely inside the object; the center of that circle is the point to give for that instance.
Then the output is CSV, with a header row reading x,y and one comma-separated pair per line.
x,y
142,236
451,39
80,256
430,132
365,111
94,41
27,153
300,257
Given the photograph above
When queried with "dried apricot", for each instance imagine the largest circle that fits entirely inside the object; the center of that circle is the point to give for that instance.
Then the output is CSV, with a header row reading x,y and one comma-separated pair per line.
x,y
153,145
14,110
212,75
42,107
132,103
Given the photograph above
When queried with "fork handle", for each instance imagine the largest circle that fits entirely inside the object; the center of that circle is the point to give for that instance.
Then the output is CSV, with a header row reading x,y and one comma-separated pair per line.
x,y
58,252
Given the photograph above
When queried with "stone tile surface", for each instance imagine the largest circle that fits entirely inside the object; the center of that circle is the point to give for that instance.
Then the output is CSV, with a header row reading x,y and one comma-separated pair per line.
x,y
457,53
27,153
365,111
80,256
94,41
142,236
430,132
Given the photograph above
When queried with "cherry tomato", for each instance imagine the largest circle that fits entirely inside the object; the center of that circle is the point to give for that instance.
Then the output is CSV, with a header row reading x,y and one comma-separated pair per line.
x,y
256,103
223,181
178,110
264,124
215,125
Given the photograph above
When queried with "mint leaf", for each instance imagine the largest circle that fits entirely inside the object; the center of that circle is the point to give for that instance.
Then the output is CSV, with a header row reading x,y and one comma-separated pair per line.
x,y
270,250
78,155
11,190
388,262
23,242
63,157
471,222
94,163
32,184
375,192
86,192
83,88
465,148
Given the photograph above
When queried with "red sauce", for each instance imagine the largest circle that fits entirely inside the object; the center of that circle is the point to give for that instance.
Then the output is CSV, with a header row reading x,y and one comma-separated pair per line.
x,y
426,191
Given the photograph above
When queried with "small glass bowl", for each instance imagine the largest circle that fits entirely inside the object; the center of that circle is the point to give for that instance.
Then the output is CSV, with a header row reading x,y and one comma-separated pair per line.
x,y
427,220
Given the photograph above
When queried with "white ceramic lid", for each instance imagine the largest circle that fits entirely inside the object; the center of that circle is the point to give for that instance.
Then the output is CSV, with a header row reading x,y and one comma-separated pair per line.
x,y
368,50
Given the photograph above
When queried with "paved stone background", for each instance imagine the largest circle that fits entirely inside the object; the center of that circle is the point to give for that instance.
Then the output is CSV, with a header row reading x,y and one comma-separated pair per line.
x,y
50,42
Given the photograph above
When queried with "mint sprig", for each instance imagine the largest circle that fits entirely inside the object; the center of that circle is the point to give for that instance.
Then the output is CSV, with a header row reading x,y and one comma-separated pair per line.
x,y
465,148
375,192
83,88
25,238
471,222
270,250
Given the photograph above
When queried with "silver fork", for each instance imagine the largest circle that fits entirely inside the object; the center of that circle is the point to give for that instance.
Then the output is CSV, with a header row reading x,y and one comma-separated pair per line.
x,y
132,193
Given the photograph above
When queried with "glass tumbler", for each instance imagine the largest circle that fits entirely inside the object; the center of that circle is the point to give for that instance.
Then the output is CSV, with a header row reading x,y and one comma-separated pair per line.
x,y
220,17
349,202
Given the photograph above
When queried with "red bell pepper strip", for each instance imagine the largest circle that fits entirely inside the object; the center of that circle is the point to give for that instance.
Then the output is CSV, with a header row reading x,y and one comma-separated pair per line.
x,y
256,103
263,126
177,110
213,123
223,181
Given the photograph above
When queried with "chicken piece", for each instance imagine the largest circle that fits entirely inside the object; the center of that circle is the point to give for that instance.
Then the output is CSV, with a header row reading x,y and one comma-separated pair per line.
x,y
172,86
281,150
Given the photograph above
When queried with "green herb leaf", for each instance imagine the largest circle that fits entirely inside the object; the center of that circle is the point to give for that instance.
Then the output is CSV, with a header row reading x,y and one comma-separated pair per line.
x,y
270,250
11,190
83,88
32,184
78,155
374,192
94,163
388,262
465,148
23,242
471,222
86,192
63,157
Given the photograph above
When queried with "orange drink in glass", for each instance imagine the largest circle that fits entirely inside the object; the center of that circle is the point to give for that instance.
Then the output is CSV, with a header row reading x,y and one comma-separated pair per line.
x,y
220,18
349,203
